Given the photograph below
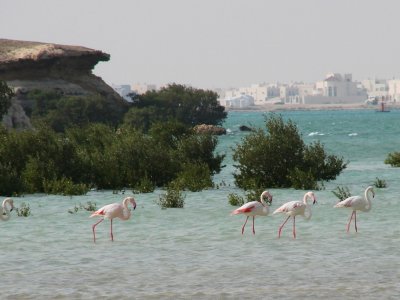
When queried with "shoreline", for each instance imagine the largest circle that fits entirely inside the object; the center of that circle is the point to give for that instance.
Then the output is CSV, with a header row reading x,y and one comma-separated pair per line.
x,y
300,107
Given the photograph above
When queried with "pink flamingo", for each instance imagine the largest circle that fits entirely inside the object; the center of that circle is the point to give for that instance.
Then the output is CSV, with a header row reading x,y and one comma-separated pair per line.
x,y
4,212
357,203
294,208
254,208
111,211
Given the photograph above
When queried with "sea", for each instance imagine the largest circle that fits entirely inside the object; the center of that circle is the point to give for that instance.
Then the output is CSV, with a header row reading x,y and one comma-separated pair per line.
x,y
198,252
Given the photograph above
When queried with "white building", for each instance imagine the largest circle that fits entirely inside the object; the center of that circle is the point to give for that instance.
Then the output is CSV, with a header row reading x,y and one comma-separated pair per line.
x,y
393,90
260,92
376,88
290,94
336,89
241,101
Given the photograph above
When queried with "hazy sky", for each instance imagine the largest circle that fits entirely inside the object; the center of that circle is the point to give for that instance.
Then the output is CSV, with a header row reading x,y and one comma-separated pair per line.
x,y
218,43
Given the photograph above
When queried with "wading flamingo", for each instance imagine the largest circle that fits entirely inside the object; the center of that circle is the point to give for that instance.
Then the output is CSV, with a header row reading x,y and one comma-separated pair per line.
x,y
4,212
294,208
357,203
254,208
111,211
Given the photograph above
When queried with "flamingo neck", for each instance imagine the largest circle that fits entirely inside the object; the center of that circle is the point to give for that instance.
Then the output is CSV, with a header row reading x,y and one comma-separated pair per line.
x,y
262,198
126,211
265,207
366,194
125,203
306,197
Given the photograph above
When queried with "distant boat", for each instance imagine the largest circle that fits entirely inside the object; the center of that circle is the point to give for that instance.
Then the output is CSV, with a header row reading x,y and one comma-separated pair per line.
x,y
383,109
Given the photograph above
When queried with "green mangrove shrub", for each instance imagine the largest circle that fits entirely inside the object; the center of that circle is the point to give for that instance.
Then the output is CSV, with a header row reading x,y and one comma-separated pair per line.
x,y
6,93
99,156
24,210
194,177
393,159
380,183
89,206
145,185
172,198
278,157
341,192
73,210
61,112
187,105
65,187
235,199
77,143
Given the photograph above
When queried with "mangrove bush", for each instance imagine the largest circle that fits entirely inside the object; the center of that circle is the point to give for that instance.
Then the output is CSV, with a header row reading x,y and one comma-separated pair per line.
x,y
278,157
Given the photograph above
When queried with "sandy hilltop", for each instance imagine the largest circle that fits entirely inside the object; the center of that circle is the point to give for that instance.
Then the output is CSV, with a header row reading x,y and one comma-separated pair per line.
x,y
338,106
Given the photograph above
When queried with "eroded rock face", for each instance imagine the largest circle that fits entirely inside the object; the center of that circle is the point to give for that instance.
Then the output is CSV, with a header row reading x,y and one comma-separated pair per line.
x,y
27,66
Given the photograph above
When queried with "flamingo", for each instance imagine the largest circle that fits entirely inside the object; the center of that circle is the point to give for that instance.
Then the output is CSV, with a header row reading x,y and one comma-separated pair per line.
x,y
357,203
111,211
4,212
254,208
294,208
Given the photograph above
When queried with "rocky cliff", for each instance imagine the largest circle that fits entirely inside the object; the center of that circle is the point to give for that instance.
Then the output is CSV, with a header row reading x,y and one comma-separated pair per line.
x,y
27,66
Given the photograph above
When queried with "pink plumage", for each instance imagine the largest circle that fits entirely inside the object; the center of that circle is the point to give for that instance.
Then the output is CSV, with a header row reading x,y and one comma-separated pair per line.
x,y
111,211
357,203
294,208
254,208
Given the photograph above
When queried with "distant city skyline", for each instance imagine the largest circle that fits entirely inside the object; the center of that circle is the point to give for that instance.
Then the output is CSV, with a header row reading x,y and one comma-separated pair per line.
x,y
218,43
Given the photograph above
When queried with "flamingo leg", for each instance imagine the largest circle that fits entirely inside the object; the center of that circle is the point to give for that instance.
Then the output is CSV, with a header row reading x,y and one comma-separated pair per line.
x,y
111,233
93,229
280,228
254,232
294,227
355,220
348,224
244,224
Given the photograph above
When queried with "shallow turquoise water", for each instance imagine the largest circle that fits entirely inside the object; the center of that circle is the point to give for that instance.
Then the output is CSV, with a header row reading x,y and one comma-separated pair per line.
x,y
198,252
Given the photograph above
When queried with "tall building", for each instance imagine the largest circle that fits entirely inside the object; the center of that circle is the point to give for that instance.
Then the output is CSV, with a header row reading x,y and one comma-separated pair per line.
x,y
241,101
376,88
336,89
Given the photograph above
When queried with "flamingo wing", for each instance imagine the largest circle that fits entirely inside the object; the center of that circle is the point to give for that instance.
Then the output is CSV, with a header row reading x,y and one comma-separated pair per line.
x,y
245,208
108,211
351,202
287,207
99,212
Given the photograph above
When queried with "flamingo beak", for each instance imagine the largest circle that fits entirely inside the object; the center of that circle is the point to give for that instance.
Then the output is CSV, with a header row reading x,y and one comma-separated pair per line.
x,y
315,201
134,206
